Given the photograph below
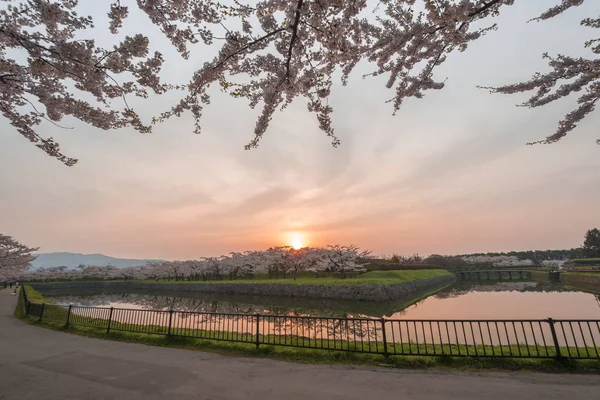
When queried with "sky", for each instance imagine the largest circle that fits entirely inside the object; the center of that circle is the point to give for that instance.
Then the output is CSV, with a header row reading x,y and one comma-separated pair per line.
x,y
450,173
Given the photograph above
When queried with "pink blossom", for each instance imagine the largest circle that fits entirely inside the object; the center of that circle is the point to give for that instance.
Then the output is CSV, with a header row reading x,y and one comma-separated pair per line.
x,y
283,50
15,258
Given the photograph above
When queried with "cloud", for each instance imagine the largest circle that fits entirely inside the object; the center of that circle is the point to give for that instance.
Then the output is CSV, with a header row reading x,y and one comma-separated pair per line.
x,y
450,173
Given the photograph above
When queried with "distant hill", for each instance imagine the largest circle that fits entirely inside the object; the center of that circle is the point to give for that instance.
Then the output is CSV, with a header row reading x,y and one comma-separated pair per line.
x,y
73,260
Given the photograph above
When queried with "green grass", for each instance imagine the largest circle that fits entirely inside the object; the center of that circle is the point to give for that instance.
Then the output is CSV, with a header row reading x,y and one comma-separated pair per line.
x,y
20,309
596,259
403,275
373,277
56,317
34,295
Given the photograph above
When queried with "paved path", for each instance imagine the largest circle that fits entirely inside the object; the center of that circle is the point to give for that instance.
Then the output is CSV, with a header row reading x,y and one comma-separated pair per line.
x,y
37,363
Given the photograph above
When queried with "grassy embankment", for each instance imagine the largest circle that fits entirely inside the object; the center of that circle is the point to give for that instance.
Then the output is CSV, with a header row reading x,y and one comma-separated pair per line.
x,y
312,355
586,261
373,277
583,264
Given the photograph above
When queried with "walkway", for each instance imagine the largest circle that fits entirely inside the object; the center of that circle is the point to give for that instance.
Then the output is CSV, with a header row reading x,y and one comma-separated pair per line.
x,y
37,363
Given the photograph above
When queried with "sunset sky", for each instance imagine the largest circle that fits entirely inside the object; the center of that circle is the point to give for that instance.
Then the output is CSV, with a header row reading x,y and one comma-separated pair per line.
x,y
449,173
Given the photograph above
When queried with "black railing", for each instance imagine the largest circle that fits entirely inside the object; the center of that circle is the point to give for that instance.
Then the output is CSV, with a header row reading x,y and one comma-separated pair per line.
x,y
543,338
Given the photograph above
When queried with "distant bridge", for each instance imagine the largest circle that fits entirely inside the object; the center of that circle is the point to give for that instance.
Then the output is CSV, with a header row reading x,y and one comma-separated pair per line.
x,y
495,275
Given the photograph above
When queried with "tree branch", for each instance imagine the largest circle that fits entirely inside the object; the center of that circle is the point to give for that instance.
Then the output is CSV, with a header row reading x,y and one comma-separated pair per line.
x,y
260,39
293,39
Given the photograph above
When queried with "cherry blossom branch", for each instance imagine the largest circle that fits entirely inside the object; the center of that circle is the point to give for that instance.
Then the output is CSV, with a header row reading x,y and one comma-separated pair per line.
x,y
43,116
580,74
405,39
247,46
293,39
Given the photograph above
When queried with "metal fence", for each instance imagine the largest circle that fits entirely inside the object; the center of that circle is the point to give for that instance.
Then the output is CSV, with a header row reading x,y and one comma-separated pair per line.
x,y
543,338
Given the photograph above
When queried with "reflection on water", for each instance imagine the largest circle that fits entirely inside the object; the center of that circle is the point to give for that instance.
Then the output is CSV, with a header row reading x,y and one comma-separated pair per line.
x,y
509,300
219,303
504,300
290,318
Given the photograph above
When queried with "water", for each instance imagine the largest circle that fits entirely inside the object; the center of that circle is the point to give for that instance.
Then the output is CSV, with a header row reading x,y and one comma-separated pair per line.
x,y
504,300
480,304
510,300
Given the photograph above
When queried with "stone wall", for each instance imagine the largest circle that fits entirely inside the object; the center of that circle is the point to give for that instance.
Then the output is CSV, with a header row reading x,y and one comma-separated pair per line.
x,y
582,281
541,276
340,292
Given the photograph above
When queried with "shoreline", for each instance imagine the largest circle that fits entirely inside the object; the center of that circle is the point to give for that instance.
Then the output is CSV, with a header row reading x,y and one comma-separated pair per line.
x,y
366,292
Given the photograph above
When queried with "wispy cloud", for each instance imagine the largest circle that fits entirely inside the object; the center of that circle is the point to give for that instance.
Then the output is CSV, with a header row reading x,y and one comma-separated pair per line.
x,y
450,173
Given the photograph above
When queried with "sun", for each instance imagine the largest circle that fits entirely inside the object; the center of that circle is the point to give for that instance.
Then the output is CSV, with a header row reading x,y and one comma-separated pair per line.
x,y
297,243
296,239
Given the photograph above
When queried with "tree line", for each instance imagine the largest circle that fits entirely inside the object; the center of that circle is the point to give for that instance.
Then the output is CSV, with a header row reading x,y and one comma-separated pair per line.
x,y
273,263
280,262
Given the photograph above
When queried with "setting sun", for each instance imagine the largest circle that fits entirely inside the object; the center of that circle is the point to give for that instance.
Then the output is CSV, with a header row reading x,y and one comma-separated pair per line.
x,y
297,240
297,243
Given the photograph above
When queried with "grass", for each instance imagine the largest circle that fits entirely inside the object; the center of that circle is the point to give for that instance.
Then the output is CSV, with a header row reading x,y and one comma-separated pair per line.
x,y
593,259
35,296
312,356
369,278
404,275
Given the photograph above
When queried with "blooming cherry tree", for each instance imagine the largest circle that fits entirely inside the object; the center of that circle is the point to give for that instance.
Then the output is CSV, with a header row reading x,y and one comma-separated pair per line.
x,y
297,260
499,261
344,259
276,262
193,269
270,52
15,258
244,264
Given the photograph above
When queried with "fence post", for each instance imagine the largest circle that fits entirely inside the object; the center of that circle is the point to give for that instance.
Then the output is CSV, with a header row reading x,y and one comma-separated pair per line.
x,y
554,338
109,320
170,321
27,304
257,330
42,312
384,338
69,315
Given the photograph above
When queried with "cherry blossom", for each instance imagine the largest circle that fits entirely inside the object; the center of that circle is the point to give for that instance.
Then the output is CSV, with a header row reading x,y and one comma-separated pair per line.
x,y
15,258
276,262
568,75
270,52
344,259
499,261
